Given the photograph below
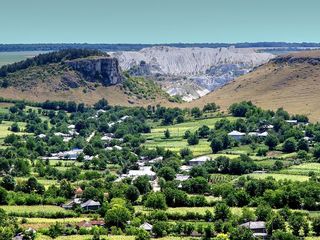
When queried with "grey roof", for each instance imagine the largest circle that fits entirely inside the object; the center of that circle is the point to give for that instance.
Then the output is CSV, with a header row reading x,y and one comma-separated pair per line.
x,y
146,226
236,133
90,203
254,225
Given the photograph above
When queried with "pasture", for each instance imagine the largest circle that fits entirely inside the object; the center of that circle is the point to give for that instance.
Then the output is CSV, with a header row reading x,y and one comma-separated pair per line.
x,y
32,209
178,130
278,176
176,141
185,210
303,169
4,129
11,57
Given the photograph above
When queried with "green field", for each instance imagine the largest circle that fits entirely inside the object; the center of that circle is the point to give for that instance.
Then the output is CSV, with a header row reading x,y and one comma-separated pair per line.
x,y
176,141
178,130
303,169
184,210
278,176
33,209
11,57
5,125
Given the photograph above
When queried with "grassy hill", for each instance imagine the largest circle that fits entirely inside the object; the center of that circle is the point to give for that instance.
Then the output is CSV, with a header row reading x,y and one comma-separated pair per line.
x,y
289,81
77,75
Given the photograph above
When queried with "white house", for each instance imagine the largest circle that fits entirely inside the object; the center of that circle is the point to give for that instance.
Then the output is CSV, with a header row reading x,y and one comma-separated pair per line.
x,y
106,138
71,155
185,168
257,134
199,160
41,135
181,177
293,122
146,226
158,159
236,135
143,171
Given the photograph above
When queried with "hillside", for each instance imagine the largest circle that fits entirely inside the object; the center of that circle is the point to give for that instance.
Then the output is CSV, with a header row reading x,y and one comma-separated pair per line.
x,y
290,81
77,75
191,72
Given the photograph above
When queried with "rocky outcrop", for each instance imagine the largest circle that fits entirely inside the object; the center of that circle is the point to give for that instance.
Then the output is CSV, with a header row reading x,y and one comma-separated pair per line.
x,y
191,72
105,70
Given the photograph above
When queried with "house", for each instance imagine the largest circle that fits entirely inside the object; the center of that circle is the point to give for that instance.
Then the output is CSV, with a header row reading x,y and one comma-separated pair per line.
x,y
185,168
258,228
236,135
60,134
181,177
100,111
293,122
67,139
41,135
143,171
199,160
107,138
72,203
90,205
72,126
158,159
116,147
146,226
124,117
257,134
71,155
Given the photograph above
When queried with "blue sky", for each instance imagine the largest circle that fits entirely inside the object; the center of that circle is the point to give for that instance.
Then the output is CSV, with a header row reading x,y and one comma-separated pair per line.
x,y
158,21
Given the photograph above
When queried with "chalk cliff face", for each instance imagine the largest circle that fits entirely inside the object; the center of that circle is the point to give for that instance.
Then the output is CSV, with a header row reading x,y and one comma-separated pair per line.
x,y
99,69
191,72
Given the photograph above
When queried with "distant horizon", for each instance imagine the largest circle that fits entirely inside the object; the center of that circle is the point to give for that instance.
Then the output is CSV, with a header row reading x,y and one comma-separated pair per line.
x,y
152,22
158,43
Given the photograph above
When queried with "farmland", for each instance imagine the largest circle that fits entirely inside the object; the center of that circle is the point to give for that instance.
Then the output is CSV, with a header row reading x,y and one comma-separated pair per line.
x,y
58,166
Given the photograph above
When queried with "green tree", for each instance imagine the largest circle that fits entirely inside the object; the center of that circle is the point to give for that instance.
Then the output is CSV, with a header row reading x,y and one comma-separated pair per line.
x,y
289,145
316,225
193,139
297,222
8,182
143,184
271,141
196,112
132,193
282,235
241,233
155,200
222,211
167,173
263,212
160,229
117,216
142,235
216,145
276,222
303,145
15,127
167,134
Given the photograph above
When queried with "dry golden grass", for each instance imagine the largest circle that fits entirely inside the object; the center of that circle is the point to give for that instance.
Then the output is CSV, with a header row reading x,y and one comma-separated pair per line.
x,y
295,87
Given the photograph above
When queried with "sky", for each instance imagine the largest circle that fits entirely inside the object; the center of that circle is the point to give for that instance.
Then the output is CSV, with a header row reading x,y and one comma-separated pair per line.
x,y
158,21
